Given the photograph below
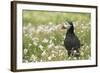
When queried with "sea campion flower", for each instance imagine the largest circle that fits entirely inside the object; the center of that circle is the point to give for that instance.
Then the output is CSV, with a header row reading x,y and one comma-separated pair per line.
x,y
52,37
24,28
82,54
41,47
43,53
64,36
30,44
33,57
32,29
29,25
41,60
45,41
49,58
35,39
25,51
53,55
50,41
81,31
35,43
50,45
56,47
54,52
75,58
26,34
50,23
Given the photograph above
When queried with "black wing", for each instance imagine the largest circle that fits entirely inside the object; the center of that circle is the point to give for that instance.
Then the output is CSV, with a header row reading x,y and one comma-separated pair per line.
x,y
71,41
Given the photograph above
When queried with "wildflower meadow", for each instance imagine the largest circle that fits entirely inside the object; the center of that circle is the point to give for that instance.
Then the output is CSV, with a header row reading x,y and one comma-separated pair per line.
x,y
43,38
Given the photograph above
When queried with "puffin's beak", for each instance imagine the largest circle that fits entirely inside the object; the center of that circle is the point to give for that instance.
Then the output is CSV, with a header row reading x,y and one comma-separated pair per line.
x,y
63,27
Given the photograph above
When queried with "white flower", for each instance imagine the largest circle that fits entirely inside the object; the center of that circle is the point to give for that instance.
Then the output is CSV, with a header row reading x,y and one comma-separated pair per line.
x,y
30,44
35,39
33,57
89,57
57,27
29,25
50,29
61,54
30,35
53,55
60,51
50,45
43,53
40,29
55,39
64,36
24,28
26,34
41,60
35,43
54,52
41,47
82,24
74,51
45,41
87,46
69,58
56,47
49,58
50,41
50,23
32,29
52,37
82,31
62,42
75,58
84,27
82,54
78,32
25,51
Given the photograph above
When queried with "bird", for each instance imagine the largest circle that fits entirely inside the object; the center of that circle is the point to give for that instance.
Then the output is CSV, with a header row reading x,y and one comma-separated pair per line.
x,y
71,41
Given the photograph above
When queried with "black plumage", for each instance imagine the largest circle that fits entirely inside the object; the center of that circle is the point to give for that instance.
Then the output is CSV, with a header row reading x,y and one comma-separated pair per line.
x,y
71,41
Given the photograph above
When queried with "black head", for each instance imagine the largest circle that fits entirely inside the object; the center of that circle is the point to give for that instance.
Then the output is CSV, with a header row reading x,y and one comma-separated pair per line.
x,y
69,26
70,23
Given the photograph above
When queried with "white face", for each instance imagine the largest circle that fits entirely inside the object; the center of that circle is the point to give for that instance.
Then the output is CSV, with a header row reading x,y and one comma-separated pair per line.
x,y
67,25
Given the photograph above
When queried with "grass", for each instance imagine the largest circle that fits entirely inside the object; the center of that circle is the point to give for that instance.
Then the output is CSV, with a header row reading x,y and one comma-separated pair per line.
x,y
43,38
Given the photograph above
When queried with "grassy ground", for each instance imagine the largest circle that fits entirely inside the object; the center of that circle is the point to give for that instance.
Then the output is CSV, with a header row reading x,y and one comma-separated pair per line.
x,y
43,38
